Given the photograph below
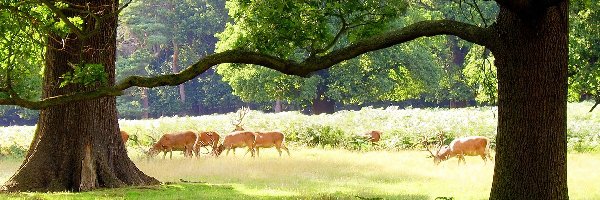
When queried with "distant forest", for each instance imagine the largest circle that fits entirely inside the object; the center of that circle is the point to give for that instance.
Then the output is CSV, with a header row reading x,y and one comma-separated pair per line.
x,y
157,37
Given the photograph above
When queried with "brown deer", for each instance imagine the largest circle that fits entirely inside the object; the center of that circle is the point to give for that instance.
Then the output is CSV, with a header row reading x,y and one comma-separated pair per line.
x,y
372,136
178,141
206,138
124,137
268,140
237,139
461,147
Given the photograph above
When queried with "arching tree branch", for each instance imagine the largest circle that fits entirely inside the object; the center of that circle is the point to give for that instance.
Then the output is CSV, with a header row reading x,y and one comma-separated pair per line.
x,y
471,33
421,29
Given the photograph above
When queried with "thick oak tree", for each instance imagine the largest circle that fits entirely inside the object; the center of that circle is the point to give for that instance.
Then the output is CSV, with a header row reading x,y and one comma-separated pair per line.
x,y
529,41
76,145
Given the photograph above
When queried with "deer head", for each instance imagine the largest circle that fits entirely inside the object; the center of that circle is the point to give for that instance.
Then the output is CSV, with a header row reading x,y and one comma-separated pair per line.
x,y
152,151
438,146
241,113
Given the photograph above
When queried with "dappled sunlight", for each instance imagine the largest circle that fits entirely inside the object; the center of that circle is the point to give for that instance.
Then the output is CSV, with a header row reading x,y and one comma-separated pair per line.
x,y
8,167
320,171
263,191
583,177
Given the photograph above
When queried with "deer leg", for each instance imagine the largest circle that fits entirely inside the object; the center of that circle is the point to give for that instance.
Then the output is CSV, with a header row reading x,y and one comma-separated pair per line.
x,y
278,150
458,160
286,149
164,154
249,150
197,151
257,150
484,157
252,150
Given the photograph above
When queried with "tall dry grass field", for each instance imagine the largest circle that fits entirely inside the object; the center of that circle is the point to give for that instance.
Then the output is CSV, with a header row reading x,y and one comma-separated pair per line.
x,y
316,173
340,173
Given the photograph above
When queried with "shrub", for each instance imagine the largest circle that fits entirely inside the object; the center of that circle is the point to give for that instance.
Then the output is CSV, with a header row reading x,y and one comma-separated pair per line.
x,y
401,128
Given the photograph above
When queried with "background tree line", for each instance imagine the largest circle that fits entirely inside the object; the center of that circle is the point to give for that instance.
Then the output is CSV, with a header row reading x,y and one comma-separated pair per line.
x,y
157,37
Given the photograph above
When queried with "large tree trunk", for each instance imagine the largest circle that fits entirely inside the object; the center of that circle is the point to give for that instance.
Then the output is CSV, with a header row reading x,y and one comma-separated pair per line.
x,y
278,106
77,146
322,103
531,57
455,67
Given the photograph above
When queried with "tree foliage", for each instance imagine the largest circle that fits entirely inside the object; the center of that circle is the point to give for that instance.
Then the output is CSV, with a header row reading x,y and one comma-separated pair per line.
x,y
299,30
584,50
150,34
480,74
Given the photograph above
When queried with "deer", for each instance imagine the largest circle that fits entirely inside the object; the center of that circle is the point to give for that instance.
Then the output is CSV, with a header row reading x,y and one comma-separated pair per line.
x,y
237,139
461,147
206,138
178,141
372,136
268,140
241,113
124,136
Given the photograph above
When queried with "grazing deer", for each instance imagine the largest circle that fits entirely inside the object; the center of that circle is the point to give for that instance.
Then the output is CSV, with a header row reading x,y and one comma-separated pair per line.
x,y
461,147
206,138
179,141
268,140
124,137
372,136
237,139
241,113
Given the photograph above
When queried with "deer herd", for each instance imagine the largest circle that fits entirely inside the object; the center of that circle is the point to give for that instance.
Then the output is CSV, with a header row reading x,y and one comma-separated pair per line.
x,y
191,142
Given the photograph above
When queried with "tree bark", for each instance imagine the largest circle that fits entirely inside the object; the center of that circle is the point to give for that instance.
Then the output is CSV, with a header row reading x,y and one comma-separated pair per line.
x,y
322,103
175,69
76,146
145,103
278,106
531,57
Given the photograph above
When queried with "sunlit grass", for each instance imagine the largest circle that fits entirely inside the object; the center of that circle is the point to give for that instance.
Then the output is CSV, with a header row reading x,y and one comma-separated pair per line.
x,y
316,173
320,174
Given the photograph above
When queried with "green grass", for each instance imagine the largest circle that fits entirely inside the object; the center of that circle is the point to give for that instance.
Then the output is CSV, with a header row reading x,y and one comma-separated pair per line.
x,y
314,173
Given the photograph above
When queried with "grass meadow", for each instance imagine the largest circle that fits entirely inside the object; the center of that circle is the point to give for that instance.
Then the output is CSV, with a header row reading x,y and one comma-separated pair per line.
x,y
326,161
315,173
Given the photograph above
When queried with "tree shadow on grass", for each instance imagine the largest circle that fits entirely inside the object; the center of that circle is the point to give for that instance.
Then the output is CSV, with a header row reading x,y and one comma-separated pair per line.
x,y
189,191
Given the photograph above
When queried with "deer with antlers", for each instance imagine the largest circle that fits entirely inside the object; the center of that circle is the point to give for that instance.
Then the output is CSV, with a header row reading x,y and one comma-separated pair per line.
x,y
239,137
241,113
259,140
459,147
